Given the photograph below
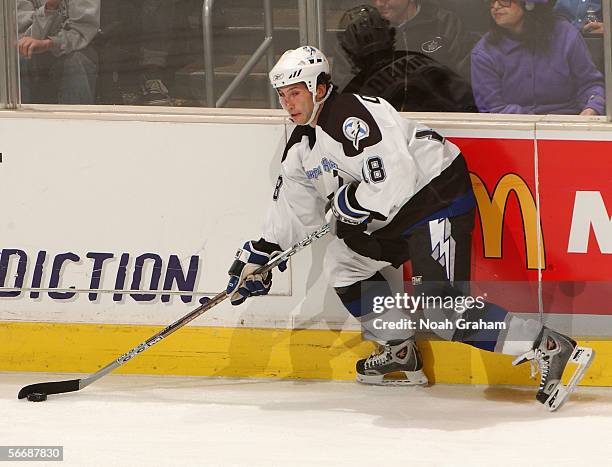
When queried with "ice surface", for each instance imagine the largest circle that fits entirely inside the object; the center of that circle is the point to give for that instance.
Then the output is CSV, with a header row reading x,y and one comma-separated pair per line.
x,y
141,420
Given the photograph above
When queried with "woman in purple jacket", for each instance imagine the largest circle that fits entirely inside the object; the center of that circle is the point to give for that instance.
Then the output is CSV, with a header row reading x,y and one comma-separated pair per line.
x,y
533,62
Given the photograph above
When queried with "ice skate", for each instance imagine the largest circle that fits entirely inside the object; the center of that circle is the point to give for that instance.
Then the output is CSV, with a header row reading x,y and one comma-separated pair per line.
x,y
551,353
393,363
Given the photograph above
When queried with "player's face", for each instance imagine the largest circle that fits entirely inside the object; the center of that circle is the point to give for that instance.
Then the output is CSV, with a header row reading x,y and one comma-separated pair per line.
x,y
296,99
396,11
507,14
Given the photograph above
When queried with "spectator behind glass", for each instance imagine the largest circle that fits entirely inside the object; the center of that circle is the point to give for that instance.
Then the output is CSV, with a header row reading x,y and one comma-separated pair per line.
x,y
533,62
409,81
579,12
158,18
422,26
57,63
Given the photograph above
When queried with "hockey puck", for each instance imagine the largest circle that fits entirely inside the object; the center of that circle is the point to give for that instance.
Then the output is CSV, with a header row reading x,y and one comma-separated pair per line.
x,y
37,397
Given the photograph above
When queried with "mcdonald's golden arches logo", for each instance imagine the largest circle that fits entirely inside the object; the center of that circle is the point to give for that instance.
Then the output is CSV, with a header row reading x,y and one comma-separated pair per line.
x,y
492,211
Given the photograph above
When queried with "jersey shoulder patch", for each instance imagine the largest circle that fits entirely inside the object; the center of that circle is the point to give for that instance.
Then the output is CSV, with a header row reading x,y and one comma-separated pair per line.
x,y
297,135
347,120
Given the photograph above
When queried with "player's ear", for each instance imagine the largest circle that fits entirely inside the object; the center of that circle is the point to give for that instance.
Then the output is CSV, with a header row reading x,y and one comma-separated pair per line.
x,y
321,91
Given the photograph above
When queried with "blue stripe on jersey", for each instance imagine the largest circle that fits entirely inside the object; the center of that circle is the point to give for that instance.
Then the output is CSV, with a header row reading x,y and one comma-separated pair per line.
x,y
458,207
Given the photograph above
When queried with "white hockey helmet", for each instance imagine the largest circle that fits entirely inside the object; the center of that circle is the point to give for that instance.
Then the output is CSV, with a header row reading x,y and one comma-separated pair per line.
x,y
302,65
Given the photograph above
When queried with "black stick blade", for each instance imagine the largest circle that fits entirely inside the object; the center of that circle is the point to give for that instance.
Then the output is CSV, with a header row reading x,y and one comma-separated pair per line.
x,y
52,387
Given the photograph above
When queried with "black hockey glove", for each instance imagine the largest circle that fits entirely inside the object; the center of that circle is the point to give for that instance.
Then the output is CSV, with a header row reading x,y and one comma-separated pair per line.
x,y
349,221
243,283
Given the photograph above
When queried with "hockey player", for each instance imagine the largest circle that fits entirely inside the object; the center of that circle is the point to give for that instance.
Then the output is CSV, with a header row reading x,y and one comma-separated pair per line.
x,y
397,190
410,81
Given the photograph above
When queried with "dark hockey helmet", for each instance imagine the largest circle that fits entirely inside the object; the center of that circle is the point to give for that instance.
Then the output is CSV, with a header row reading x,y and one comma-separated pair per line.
x,y
364,33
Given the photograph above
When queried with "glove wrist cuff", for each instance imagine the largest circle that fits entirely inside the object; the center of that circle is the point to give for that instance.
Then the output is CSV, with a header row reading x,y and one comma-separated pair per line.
x,y
264,246
346,207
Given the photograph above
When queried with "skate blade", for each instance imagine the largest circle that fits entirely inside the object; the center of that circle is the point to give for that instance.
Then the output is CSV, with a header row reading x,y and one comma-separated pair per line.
x,y
397,378
583,357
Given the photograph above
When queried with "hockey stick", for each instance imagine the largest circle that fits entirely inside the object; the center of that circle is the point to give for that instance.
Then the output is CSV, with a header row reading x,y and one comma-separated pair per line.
x,y
58,387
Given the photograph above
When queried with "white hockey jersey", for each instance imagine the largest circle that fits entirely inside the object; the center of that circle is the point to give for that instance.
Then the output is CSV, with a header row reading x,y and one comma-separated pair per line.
x,y
407,172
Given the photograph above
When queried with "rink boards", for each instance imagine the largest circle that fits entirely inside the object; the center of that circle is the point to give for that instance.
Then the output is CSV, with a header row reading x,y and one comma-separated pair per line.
x,y
116,224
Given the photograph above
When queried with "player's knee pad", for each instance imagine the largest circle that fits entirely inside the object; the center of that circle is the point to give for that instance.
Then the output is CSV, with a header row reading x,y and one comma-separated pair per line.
x,y
358,298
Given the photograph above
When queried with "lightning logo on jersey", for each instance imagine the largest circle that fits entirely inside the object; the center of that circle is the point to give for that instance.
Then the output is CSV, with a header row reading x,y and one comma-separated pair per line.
x,y
443,246
355,129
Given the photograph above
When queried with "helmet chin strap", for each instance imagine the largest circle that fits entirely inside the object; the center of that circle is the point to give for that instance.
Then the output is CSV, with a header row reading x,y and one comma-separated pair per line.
x,y
316,106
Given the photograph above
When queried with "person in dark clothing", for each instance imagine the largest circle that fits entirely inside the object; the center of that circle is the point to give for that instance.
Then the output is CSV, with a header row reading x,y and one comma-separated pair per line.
x,y
423,26
409,81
